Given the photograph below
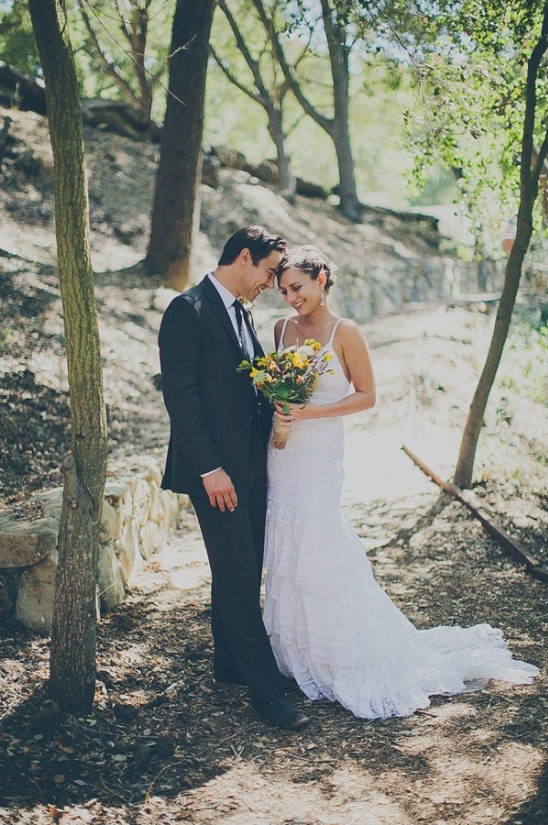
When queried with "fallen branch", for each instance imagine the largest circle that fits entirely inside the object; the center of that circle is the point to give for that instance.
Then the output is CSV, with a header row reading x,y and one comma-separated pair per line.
x,y
532,564
21,90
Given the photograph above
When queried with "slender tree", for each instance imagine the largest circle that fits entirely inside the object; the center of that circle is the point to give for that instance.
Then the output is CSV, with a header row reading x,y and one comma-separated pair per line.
x,y
266,89
178,175
73,643
335,17
531,166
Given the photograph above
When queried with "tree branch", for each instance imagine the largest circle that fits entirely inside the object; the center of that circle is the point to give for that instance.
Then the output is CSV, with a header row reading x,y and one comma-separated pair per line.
x,y
539,167
233,79
325,123
529,174
111,70
242,46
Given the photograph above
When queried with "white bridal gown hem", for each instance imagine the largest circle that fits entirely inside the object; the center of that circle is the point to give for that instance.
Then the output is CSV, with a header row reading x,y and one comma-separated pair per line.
x,y
332,627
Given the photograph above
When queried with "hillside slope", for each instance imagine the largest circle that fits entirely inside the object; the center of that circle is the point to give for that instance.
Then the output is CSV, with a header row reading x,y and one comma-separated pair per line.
x,y
33,383
383,263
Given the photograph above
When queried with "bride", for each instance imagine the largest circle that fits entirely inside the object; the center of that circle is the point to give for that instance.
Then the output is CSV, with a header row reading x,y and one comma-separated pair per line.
x,y
332,627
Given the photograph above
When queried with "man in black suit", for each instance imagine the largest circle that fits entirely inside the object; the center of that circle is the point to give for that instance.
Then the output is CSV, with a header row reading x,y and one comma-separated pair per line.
x,y
217,454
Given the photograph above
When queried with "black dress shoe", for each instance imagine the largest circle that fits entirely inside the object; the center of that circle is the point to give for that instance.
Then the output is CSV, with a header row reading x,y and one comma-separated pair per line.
x,y
282,715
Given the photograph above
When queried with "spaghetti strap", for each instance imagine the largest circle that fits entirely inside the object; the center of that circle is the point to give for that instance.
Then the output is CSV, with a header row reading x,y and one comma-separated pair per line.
x,y
333,331
281,341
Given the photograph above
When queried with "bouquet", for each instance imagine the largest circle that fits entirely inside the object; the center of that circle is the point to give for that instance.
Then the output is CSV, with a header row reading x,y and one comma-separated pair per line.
x,y
288,377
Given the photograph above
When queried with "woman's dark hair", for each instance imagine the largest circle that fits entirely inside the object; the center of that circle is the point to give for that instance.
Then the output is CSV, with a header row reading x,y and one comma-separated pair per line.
x,y
257,239
309,259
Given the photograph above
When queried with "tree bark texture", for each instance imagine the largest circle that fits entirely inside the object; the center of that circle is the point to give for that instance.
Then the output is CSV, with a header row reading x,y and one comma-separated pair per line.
x,y
73,646
178,175
287,182
338,56
531,166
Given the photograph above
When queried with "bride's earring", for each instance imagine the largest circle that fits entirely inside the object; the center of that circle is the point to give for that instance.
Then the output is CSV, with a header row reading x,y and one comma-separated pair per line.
x,y
322,298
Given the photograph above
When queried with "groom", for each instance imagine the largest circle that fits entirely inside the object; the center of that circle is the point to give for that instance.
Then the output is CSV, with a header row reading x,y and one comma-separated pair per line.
x,y
217,454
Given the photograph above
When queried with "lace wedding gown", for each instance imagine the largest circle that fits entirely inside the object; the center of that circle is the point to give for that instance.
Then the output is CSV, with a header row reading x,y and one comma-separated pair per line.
x,y
332,627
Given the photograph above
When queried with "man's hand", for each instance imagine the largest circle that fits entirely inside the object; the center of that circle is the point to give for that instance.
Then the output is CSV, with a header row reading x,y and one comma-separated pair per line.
x,y
220,489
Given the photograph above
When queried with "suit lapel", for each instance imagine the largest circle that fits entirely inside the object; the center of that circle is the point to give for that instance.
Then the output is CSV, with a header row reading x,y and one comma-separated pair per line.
x,y
220,310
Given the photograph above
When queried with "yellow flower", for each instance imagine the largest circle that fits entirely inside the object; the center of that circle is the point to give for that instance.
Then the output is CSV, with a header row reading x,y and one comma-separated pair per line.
x,y
289,376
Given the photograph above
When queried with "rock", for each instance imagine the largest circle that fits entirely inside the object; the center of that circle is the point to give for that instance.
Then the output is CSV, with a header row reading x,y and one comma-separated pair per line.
x,y
210,170
52,502
24,543
136,516
34,607
310,190
149,539
127,550
156,506
115,490
6,603
110,578
111,523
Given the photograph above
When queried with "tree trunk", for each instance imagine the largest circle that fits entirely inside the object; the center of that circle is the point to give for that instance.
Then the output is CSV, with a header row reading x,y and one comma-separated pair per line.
x,y
335,33
337,127
178,173
270,99
287,183
349,202
73,644
531,166
138,26
474,422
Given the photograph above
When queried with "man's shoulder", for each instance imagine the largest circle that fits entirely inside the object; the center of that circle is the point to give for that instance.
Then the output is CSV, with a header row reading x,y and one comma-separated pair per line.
x,y
192,297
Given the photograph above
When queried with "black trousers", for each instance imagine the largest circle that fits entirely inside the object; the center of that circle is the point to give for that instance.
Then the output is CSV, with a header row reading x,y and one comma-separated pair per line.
x,y
235,545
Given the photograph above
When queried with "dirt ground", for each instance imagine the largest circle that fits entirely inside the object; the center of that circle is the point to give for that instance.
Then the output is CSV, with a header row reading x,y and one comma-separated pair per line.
x,y
165,744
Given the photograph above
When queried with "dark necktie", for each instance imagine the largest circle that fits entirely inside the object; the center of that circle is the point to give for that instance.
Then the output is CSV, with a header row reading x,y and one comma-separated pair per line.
x,y
245,336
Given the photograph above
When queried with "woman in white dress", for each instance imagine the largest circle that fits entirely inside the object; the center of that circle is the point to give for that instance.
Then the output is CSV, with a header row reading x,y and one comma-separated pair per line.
x,y
332,627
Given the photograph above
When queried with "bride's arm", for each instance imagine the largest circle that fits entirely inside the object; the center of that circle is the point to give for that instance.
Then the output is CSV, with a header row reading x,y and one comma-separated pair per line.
x,y
353,352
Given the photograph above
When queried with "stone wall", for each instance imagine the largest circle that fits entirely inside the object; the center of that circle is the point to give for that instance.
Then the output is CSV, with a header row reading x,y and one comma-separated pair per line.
x,y
137,515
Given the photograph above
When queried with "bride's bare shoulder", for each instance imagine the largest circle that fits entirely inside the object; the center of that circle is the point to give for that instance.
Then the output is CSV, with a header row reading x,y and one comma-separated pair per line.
x,y
348,327
349,333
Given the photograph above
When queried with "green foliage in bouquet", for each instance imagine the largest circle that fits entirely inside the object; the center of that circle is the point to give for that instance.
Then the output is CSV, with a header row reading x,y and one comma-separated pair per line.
x,y
290,376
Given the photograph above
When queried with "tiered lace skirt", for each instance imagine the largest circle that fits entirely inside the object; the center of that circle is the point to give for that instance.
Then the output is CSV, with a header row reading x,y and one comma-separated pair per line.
x,y
332,627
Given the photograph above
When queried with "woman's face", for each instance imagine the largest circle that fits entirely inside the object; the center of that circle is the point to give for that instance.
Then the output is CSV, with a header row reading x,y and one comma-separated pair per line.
x,y
300,291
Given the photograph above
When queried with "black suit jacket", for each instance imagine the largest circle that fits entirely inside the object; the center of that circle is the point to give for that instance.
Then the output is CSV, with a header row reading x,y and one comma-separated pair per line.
x,y
216,416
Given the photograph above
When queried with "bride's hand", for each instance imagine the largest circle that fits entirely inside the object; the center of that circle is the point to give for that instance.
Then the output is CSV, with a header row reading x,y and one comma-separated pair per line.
x,y
297,412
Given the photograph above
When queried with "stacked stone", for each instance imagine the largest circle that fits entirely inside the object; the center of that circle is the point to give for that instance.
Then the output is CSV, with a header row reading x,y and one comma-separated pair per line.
x,y
137,515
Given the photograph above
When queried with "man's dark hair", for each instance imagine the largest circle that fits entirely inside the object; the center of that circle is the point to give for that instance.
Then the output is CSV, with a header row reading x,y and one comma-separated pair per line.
x,y
257,239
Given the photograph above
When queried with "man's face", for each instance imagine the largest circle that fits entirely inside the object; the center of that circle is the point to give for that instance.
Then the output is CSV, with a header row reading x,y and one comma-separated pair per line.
x,y
260,276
